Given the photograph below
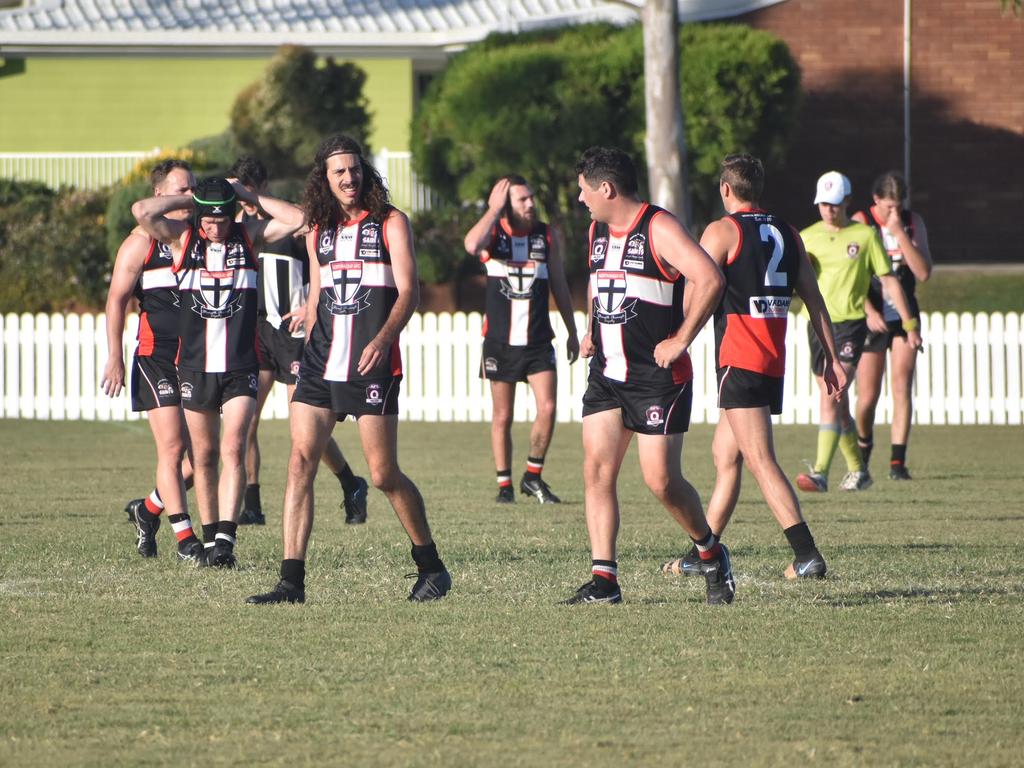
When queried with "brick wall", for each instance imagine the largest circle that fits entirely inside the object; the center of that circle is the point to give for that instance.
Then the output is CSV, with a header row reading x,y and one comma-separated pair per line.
x,y
967,114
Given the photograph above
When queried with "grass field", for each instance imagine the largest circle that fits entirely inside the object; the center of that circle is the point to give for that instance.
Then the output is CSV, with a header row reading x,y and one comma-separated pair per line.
x,y
909,654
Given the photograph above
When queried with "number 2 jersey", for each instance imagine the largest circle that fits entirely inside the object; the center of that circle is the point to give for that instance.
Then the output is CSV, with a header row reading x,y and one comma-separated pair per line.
x,y
635,304
357,293
516,303
760,277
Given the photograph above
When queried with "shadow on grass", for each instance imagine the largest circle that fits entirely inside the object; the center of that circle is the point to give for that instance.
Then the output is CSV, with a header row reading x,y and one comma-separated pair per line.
x,y
950,596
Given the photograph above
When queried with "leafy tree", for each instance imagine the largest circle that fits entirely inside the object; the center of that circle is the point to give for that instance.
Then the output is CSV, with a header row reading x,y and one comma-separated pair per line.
x,y
51,249
283,117
532,104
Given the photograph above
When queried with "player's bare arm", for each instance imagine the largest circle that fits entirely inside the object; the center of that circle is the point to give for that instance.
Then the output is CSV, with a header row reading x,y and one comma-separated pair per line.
x,y
131,257
719,240
894,291
916,252
560,292
479,235
314,284
836,380
285,218
151,214
403,267
683,254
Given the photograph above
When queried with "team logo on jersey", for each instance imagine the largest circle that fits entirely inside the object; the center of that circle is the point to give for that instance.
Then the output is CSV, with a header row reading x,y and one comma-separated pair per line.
x,y
374,395
163,252
186,390
609,303
538,247
852,250
636,247
164,388
769,306
369,253
325,245
655,416
346,279
235,256
216,297
519,277
599,250
371,233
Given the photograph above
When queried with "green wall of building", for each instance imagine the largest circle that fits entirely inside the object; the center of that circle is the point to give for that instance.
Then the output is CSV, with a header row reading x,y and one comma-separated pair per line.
x,y
112,104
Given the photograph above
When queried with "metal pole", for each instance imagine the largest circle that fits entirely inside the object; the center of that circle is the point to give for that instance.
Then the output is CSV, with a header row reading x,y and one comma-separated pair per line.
x,y
906,94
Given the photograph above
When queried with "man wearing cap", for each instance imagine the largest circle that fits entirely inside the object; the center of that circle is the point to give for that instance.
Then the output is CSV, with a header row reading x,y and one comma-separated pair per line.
x,y
845,254
215,262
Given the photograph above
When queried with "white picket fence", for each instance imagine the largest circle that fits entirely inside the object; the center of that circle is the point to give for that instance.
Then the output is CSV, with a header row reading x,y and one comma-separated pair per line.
x,y
50,367
83,170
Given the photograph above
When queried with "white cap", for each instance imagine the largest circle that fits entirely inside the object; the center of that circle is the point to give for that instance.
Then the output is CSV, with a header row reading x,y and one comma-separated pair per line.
x,y
833,188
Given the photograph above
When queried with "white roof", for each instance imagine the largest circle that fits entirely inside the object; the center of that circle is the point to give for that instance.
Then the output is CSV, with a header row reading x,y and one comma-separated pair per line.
x,y
354,26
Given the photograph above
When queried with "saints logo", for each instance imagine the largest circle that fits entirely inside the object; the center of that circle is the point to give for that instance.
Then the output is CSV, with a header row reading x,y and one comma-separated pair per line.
x,y
344,297
610,305
216,298
519,277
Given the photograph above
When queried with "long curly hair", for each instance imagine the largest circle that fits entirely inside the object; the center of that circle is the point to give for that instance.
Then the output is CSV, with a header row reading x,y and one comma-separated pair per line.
x,y
321,208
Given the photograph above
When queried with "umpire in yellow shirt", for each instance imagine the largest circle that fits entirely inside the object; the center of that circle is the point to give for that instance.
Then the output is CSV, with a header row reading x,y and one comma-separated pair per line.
x,y
845,254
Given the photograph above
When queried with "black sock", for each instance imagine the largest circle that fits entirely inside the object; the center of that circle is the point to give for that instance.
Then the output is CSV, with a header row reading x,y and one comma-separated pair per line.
x,y
605,575
226,531
866,443
294,572
348,480
801,541
426,558
252,498
209,534
899,454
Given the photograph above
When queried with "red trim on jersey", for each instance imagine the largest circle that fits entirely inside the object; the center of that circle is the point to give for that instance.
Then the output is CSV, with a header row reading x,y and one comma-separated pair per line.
x,y
739,243
755,344
654,253
485,326
383,233
357,219
146,339
396,359
176,263
632,226
682,369
248,242
149,254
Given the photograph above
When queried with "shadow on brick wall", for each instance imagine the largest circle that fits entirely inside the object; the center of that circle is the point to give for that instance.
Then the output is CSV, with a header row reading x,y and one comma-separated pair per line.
x,y
966,178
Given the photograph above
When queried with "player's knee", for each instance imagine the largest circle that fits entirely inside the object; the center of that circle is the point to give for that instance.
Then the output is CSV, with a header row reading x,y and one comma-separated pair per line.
x,y
385,477
545,410
660,484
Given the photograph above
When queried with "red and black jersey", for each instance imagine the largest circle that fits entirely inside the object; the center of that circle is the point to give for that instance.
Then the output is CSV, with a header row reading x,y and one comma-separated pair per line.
x,y
760,277
900,269
357,294
516,304
635,304
157,292
218,303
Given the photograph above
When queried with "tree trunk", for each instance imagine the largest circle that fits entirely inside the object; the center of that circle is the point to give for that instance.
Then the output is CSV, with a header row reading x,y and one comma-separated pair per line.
x,y
665,142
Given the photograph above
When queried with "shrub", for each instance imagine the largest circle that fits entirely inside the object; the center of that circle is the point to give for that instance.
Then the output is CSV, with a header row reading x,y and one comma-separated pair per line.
x,y
52,255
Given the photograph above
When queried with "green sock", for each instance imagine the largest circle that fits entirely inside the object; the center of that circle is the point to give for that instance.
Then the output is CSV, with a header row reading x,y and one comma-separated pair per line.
x,y
848,445
828,439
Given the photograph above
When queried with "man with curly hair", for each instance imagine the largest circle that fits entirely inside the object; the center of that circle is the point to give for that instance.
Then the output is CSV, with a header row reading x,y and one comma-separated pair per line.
x,y
363,289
